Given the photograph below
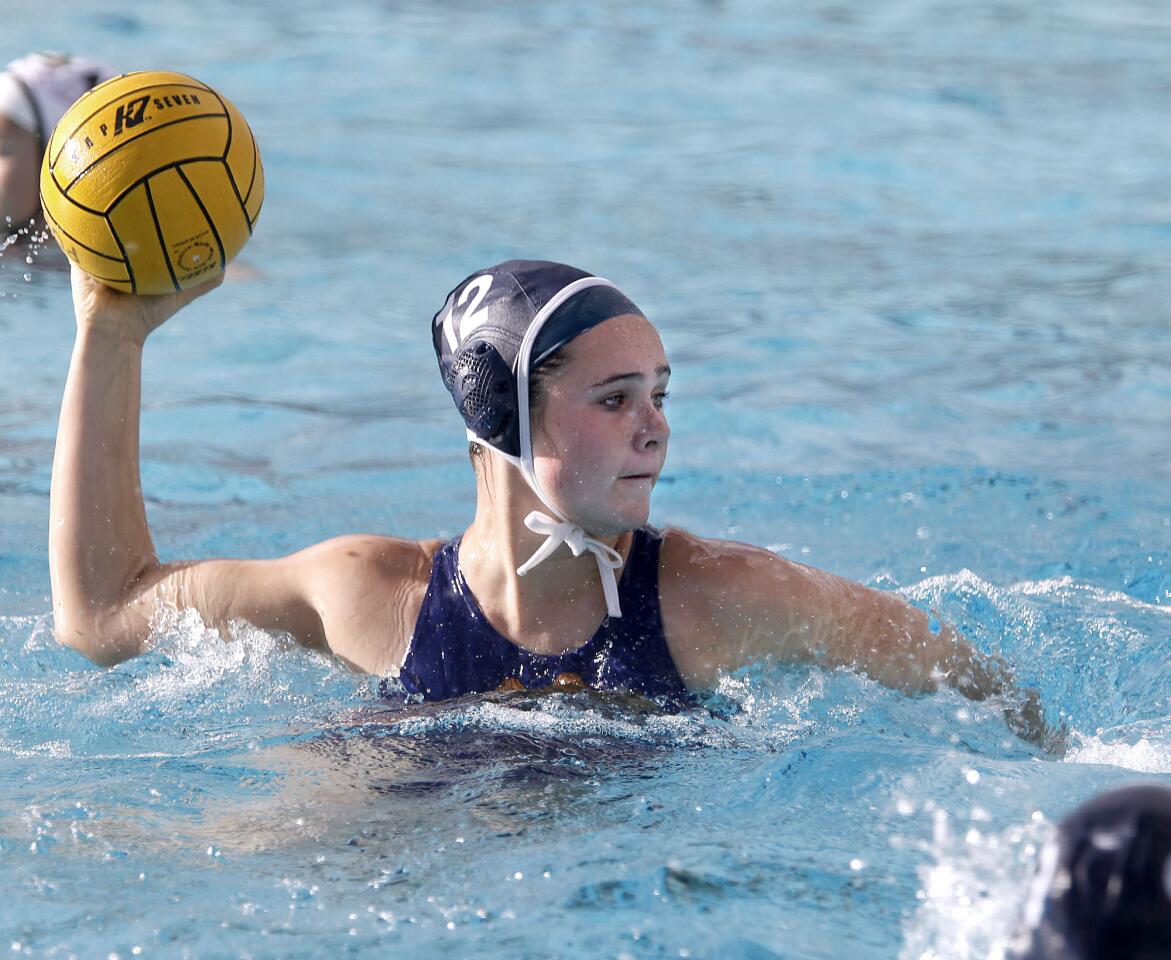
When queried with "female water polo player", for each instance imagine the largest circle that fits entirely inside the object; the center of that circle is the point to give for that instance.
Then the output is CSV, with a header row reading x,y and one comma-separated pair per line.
x,y
35,91
561,381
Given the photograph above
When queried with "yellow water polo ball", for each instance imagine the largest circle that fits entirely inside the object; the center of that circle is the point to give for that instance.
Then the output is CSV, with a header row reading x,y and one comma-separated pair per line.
x,y
152,182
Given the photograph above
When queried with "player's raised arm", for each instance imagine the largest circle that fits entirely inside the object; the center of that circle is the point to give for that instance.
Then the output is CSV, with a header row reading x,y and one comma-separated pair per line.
x,y
107,580
100,547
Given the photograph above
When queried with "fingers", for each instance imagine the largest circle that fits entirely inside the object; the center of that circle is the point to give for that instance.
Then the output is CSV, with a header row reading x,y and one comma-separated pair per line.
x,y
97,305
1026,718
159,309
193,293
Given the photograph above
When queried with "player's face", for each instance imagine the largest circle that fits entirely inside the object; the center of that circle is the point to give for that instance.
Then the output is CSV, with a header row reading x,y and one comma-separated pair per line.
x,y
600,436
19,167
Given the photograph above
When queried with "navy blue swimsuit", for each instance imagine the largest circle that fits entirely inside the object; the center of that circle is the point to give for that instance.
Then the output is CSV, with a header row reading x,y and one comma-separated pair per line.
x,y
455,650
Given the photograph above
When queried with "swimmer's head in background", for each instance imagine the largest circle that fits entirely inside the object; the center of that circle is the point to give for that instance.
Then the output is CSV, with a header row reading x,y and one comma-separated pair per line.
x,y
1103,891
36,90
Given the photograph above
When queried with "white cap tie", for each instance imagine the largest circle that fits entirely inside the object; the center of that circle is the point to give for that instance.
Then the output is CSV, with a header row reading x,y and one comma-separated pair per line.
x,y
574,537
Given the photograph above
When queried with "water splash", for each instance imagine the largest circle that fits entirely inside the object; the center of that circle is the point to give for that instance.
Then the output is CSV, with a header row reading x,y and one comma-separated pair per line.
x,y
972,885
1096,655
1142,748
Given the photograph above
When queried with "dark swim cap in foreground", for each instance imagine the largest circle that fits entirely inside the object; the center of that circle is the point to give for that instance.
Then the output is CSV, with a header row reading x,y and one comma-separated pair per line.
x,y
1103,891
481,330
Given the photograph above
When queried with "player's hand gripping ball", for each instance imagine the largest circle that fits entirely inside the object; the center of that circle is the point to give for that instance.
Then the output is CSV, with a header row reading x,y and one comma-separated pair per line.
x,y
152,182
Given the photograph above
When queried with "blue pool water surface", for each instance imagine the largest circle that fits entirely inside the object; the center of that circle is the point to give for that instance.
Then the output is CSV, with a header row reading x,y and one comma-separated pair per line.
x,y
912,264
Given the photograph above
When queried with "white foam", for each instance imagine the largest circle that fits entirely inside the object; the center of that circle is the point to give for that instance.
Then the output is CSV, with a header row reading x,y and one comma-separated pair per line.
x,y
1066,588
1142,756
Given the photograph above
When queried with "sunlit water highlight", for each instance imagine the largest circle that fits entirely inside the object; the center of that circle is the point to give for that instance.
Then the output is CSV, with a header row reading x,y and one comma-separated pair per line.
x,y
911,266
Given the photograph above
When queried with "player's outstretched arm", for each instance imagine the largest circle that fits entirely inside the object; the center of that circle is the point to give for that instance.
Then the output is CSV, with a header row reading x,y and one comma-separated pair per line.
x,y
763,606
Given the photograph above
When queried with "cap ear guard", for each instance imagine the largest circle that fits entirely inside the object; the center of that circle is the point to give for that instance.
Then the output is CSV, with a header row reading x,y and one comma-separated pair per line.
x,y
484,390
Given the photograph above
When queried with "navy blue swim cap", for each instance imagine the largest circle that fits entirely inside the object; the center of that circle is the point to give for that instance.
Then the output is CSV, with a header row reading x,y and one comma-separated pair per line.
x,y
1104,888
500,324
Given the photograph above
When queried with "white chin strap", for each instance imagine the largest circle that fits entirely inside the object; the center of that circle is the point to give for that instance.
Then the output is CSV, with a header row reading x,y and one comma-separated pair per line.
x,y
575,538
557,529
561,531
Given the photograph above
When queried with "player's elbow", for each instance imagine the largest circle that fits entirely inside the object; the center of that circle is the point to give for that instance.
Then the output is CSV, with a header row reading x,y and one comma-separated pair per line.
x,y
101,639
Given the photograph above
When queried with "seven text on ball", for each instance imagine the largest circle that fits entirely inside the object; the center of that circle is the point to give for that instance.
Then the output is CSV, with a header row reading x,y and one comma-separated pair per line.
x,y
133,112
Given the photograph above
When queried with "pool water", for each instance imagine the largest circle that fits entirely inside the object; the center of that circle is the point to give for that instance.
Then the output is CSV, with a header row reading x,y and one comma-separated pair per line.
x,y
911,262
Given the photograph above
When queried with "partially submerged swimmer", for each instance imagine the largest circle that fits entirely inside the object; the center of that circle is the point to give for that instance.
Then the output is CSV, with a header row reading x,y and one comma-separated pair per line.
x,y
1103,887
561,381
35,92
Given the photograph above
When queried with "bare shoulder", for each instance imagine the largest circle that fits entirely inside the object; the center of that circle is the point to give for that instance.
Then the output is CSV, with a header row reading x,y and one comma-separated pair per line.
x,y
368,590
691,548
375,556
715,570
360,572
722,598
